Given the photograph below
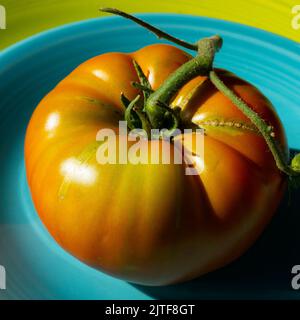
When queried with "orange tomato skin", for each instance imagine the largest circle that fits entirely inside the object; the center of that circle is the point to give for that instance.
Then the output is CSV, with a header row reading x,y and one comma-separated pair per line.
x,y
145,223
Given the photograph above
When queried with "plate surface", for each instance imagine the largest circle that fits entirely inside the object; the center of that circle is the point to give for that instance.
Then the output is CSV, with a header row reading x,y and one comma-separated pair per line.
x,y
36,267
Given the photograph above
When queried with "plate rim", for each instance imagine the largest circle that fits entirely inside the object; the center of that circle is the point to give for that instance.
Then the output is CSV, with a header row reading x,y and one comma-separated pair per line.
x,y
38,36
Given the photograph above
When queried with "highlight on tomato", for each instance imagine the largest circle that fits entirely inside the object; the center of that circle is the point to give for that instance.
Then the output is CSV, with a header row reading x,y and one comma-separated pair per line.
x,y
150,222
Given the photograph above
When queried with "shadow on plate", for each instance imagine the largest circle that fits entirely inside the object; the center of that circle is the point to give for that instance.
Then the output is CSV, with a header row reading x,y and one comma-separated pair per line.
x,y
263,272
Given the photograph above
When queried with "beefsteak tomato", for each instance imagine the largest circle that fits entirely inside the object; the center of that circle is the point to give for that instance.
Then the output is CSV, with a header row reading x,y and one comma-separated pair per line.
x,y
151,223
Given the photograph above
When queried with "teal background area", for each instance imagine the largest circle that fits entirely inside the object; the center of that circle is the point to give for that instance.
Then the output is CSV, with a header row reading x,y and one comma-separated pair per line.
x,y
37,268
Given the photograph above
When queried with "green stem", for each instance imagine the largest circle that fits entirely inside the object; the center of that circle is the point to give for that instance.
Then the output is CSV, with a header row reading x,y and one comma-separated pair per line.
x,y
264,129
124,100
156,31
133,120
136,118
143,80
145,122
198,66
159,115
142,87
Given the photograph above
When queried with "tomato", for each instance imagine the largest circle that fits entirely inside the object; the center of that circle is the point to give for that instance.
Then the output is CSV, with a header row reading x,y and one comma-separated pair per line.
x,y
151,223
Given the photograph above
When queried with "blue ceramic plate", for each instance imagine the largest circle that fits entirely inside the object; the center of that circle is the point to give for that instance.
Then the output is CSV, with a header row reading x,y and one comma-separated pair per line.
x,y
36,267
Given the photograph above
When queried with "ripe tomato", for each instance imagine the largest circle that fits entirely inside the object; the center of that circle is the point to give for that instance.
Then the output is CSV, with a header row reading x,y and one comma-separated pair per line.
x,y
151,223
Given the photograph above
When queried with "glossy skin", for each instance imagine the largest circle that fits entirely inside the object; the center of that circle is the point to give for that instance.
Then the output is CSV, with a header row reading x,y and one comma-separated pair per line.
x,y
150,224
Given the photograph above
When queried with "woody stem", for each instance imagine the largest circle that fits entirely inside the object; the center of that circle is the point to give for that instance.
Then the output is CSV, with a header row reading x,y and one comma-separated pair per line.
x,y
264,129
156,31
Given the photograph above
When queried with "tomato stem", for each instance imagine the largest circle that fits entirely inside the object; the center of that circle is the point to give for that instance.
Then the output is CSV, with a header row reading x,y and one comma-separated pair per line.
x,y
159,33
157,109
141,87
200,65
133,120
143,80
280,157
158,115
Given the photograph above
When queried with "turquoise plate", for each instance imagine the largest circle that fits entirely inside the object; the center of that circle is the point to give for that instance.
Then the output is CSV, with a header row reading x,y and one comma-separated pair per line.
x,y
36,267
